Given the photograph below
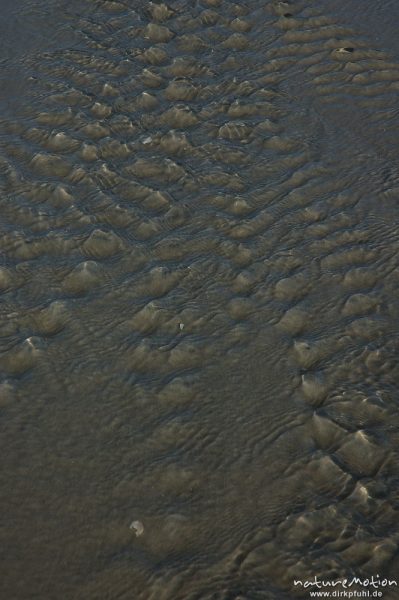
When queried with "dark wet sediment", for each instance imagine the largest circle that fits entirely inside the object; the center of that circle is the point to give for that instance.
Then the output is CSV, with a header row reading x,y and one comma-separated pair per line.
x,y
199,303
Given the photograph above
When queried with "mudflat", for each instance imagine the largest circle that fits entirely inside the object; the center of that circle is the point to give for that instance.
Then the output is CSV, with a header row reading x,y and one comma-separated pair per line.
x,y
199,298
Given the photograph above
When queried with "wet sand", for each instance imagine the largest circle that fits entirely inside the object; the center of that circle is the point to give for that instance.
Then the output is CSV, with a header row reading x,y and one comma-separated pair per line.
x,y
199,317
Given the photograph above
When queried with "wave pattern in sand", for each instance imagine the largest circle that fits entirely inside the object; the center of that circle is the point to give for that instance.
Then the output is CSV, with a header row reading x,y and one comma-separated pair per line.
x,y
199,312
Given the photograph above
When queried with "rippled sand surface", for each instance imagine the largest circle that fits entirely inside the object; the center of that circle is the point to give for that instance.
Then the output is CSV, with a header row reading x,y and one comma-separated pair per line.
x,y
199,300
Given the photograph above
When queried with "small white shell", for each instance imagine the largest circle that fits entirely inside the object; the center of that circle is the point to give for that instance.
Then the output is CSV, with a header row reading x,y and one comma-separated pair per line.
x,y
138,527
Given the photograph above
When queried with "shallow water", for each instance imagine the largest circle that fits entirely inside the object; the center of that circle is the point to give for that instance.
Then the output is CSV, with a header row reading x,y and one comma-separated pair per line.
x,y
199,317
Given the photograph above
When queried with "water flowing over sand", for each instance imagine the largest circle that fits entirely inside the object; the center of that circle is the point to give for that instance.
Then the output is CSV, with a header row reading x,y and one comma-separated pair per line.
x,y
199,281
